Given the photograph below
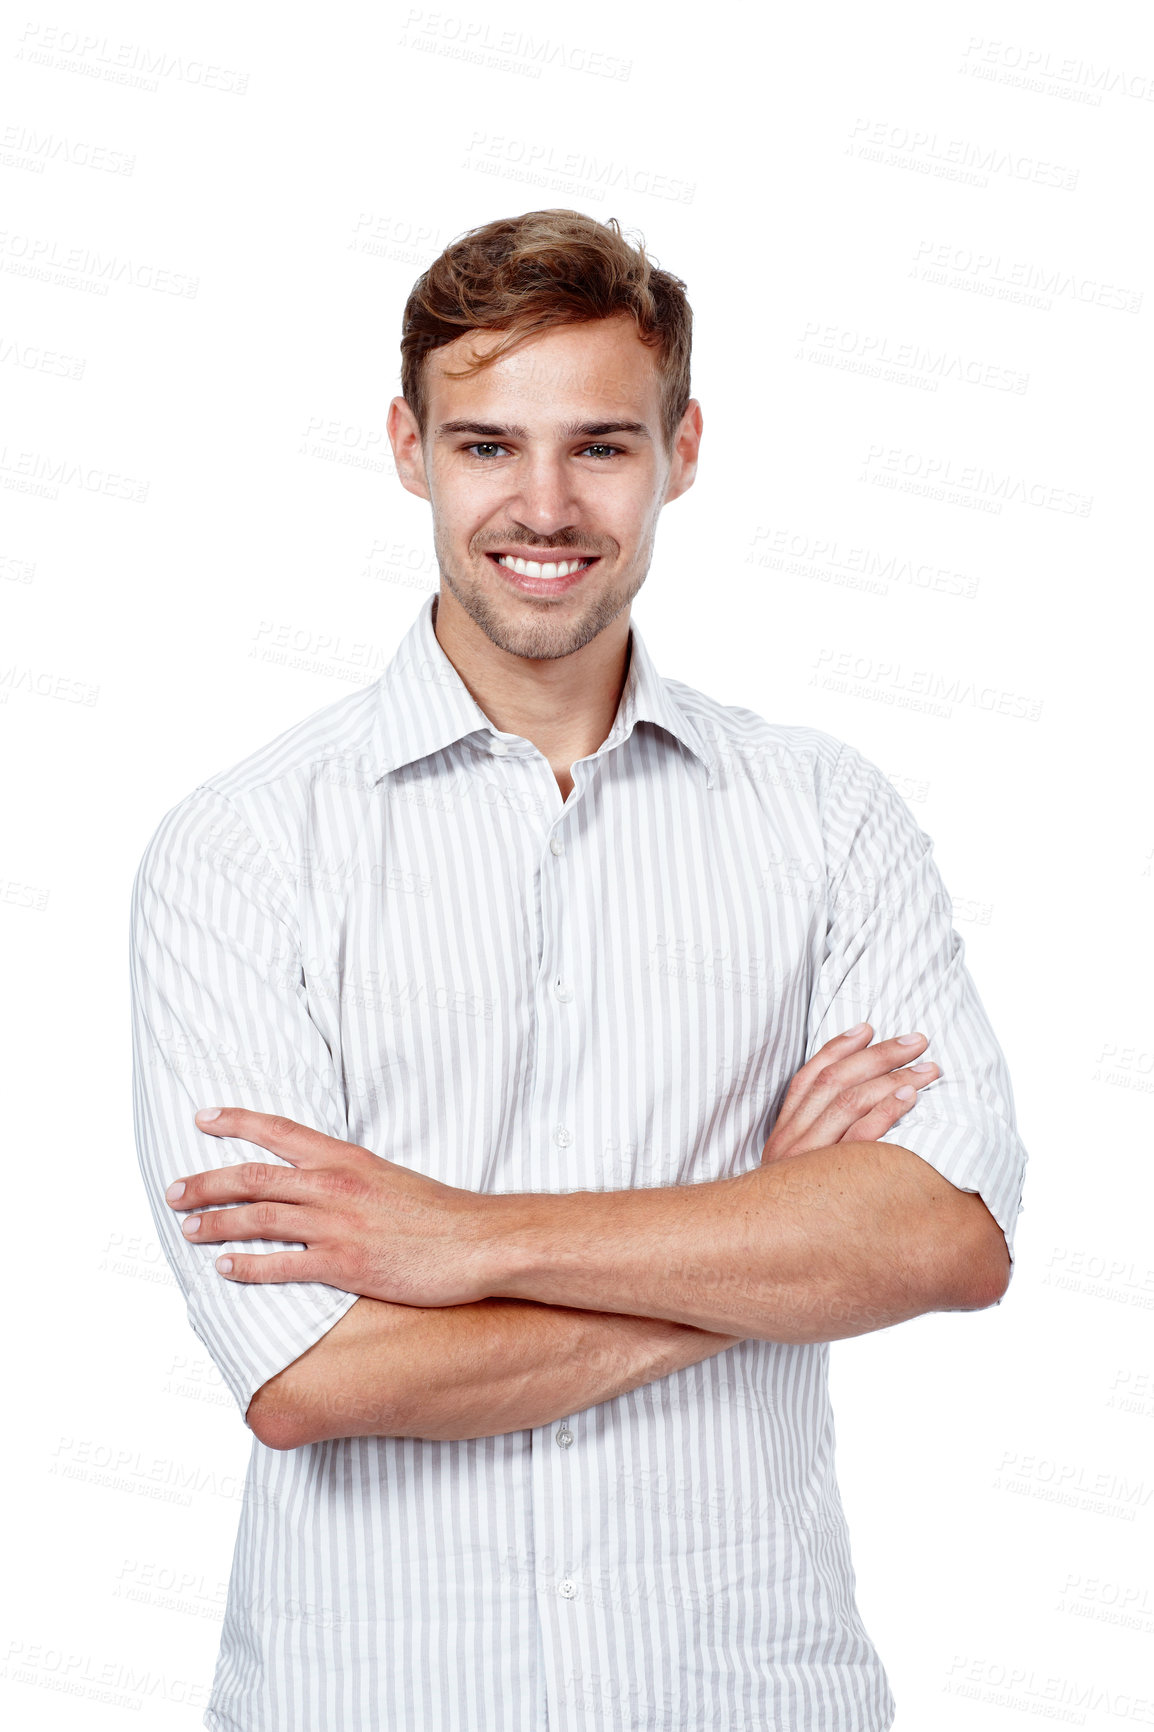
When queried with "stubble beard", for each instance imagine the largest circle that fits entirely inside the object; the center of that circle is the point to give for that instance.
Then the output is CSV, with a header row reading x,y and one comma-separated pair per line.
x,y
540,633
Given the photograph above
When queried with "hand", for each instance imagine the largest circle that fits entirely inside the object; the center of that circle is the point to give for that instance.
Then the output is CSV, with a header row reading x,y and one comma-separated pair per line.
x,y
849,1092
372,1227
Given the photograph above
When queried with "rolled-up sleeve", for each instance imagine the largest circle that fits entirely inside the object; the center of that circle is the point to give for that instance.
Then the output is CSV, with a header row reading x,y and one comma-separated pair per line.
x,y
893,959
219,1018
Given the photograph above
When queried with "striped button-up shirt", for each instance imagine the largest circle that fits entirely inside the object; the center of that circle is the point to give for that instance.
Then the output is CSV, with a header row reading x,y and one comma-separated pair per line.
x,y
388,924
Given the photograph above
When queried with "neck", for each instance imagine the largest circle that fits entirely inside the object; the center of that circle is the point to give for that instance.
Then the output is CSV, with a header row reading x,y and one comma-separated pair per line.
x,y
565,705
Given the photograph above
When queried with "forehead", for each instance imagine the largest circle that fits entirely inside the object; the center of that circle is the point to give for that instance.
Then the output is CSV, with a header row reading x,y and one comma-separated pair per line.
x,y
566,370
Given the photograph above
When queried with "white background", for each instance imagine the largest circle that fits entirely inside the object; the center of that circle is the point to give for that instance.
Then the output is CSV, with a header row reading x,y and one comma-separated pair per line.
x,y
916,240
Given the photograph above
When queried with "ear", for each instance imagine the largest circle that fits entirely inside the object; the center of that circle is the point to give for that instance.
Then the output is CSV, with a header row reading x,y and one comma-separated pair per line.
x,y
408,452
686,443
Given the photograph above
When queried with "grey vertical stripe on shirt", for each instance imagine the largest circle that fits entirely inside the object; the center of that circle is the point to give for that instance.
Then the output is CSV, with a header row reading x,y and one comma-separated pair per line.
x,y
387,924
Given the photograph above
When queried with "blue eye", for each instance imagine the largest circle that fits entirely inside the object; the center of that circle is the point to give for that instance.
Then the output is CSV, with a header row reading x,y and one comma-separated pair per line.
x,y
485,450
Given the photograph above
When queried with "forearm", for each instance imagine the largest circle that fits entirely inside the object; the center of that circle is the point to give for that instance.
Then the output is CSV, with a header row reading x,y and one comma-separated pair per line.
x,y
831,1243
464,1371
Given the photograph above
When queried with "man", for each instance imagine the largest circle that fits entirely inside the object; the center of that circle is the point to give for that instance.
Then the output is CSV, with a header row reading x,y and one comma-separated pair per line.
x,y
547,1162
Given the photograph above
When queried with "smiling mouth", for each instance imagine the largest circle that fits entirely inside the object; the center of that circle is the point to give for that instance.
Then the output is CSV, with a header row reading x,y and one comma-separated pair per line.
x,y
544,570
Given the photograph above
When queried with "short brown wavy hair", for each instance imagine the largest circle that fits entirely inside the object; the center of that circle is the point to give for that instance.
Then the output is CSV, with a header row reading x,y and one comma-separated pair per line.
x,y
548,267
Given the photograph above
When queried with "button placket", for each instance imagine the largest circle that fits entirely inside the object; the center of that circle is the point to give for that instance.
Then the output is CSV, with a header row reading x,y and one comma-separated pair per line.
x,y
563,993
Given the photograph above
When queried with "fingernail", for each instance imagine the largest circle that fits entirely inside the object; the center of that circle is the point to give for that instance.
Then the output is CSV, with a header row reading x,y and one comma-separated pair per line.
x,y
224,1264
175,1192
191,1224
910,1039
207,1114
924,1065
906,1094
858,1028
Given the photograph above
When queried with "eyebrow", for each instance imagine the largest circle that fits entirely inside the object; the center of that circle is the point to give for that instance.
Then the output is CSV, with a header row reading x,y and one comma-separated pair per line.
x,y
573,429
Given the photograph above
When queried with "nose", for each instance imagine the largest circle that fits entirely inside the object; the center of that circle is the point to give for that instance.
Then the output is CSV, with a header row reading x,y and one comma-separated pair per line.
x,y
544,501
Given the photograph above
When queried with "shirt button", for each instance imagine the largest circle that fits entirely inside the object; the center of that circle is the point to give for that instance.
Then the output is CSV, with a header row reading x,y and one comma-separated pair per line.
x,y
556,846
567,1589
562,1136
562,992
564,1437
499,748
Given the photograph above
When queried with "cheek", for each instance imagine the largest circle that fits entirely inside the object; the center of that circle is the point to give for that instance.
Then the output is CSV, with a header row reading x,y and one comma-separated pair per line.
x,y
634,523
460,512
620,505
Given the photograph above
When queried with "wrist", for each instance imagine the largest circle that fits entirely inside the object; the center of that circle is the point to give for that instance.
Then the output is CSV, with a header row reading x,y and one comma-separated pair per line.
x,y
512,1242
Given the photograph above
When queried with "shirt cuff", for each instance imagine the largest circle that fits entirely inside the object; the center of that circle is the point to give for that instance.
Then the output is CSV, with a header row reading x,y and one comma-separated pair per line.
x,y
252,1330
989,1160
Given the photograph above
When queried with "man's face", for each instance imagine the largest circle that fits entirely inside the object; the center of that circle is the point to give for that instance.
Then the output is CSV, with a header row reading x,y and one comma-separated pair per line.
x,y
553,456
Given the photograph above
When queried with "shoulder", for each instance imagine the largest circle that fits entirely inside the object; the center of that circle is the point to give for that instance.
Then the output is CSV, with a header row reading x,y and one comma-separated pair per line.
x,y
747,745
255,811
340,737
805,775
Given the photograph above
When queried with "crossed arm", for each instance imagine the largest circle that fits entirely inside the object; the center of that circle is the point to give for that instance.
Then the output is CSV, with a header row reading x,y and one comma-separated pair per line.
x,y
484,1314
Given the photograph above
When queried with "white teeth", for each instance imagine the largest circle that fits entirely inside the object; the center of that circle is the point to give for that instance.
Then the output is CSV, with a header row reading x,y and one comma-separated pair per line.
x,y
530,567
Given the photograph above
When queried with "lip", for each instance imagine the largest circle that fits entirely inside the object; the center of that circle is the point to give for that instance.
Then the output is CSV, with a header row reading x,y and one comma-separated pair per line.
x,y
543,585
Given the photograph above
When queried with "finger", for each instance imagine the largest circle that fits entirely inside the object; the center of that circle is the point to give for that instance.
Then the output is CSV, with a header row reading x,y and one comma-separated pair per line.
x,y
872,1061
246,1182
879,1119
288,1223
829,1120
838,1047
299,1144
275,1266
841,1046
809,1098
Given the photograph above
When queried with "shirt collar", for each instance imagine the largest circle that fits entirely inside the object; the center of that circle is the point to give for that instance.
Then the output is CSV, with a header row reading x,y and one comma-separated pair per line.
x,y
424,705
